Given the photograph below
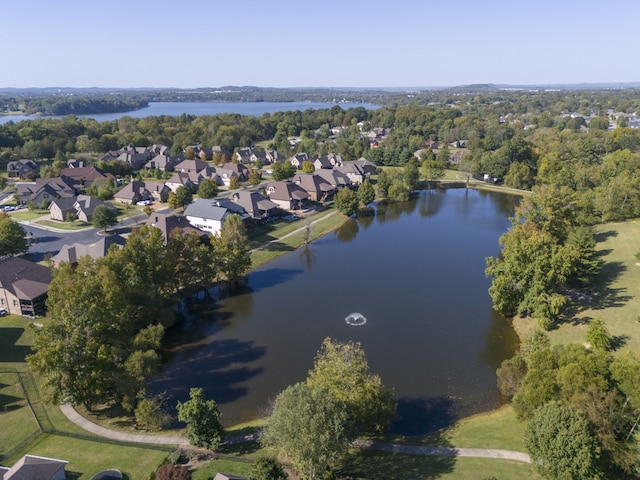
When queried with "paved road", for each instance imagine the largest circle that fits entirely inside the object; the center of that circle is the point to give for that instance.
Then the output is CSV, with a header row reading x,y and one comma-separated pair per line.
x,y
88,425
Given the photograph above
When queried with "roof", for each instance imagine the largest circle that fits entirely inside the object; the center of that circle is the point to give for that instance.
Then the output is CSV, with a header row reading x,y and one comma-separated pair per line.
x,y
88,204
206,208
72,253
64,204
286,191
253,201
24,279
32,467
168,223
312,183
88,174
191,165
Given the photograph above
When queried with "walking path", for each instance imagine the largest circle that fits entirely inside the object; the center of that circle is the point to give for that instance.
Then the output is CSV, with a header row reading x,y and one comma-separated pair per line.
x,y
88,425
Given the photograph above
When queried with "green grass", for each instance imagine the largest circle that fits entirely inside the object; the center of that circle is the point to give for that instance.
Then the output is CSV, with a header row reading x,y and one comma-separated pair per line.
x,y
17,423
616,301
26,215
71,226
16,337
374,465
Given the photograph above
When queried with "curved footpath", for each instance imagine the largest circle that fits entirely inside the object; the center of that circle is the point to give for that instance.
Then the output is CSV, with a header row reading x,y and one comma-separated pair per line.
x,y
89,426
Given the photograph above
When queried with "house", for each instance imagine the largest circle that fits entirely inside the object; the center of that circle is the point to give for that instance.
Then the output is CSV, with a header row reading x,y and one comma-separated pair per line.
x,y
164,163
431,144
85,205
226,476
45,190
457,157
23,286
32,467
353,171
241,171
367,166
298,159
133,192
255,204
287,195
159,190
23,168
185,180
216,150
336,178
322,162
85,176
73,163
225,175
136,160
209,215
190,166
316,186
273,156
60,208
72,253
168,223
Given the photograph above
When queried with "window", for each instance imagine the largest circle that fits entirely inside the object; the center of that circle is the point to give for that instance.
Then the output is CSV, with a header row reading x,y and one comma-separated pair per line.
x,y
15,303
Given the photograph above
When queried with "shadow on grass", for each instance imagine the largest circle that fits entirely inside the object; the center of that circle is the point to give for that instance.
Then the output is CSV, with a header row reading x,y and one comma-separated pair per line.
x,y
619,341
240,449
9,351
602,236
375,464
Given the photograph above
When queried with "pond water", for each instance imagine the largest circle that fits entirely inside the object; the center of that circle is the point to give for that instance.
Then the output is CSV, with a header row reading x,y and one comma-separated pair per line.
x,y
414,271
175,109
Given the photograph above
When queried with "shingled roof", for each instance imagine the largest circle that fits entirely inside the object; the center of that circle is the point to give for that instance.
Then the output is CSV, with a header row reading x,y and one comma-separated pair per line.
x,y
24,279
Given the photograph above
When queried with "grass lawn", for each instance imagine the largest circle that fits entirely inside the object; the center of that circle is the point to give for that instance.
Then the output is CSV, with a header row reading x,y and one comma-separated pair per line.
x,y
86,457
615,301
374,465
16,336
26,214
17,423
71,226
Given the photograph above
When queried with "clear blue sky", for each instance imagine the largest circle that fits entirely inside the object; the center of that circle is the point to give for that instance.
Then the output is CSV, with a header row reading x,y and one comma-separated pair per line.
x,y
327,43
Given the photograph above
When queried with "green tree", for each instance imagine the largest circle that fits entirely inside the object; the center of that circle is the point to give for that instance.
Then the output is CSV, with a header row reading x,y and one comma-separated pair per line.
x,y
366,193
231,249
283,170
234,183
343,370
383,183
510,375
398,191
562,444
255,176
597,335
308,167
203,420
346,201
104,217
208,188
312,427
12,236
410,175
267,468
431,170
151,415
587,263
181,198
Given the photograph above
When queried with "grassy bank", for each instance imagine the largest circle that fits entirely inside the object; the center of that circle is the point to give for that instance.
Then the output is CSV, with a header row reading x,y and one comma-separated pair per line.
x,y
615,299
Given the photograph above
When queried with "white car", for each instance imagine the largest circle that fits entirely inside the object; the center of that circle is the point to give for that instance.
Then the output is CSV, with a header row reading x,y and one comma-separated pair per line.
x,y
144,203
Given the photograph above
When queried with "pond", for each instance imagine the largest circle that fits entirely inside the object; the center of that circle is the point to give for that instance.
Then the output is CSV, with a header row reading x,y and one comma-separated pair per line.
x,y
414,272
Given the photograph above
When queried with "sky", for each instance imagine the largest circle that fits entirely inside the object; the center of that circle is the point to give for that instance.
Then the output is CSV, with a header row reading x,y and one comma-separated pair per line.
x,y
328,43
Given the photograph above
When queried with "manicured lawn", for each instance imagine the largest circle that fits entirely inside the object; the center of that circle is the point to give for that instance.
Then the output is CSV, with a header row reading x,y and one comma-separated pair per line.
x,y
16,336
616,300
373,465
86,457
17,423
71,226
25,214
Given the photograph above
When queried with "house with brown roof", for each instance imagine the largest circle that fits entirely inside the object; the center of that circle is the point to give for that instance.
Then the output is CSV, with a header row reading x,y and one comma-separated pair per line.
x,y
159,190
241,171
164,163
168,223
23,286
32,467
85,176
133,192
316,186
287,195
255,204
44,190
190,166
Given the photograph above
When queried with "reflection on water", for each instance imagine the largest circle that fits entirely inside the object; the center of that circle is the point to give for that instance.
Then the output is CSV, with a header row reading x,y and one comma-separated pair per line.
x,y
416,271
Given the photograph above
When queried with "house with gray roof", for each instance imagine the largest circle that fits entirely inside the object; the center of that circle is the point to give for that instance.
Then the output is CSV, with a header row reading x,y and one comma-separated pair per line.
x,y
85,176
32,467
23,286
190,166
164,163
85,205
60,208
336,178
353,171
209,215
74,252
133,192
22,168
287,195
298,159
44,190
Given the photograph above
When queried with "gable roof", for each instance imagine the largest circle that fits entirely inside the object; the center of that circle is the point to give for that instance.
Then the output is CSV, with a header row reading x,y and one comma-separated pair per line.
x,y
253,202
72,253
168,223
32,467
312,183
286,191
24,279
88,174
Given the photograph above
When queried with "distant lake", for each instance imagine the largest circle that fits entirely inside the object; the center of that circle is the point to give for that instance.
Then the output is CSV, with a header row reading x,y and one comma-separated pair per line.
x,y
415,271
175,109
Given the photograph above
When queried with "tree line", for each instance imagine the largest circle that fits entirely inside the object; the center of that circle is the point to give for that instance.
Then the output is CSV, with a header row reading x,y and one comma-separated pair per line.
x,y
107,316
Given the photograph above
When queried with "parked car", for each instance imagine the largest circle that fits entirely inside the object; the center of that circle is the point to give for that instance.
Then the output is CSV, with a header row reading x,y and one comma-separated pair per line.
x,y
3,312
9,208
144,203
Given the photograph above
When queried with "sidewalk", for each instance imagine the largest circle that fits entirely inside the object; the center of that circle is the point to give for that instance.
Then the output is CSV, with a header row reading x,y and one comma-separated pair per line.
x,y
88,425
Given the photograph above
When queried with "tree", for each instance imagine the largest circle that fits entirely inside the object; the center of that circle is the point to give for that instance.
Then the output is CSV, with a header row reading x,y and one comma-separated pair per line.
x,y
267,468
104,216
150,414
312,427
12,236
343,370
597,335
234,183
308,167
203,420
283,170
181,198
231,249
366,193
562,444
346,200
587,262
208,188
510,375
255,176
398,191
432,170
410,175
